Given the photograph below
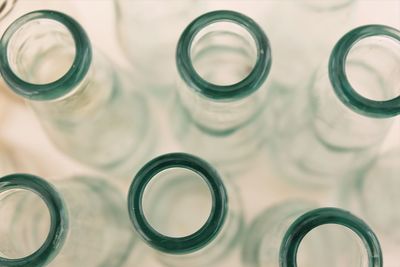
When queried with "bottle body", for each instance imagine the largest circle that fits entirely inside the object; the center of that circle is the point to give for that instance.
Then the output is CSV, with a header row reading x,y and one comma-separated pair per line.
x,y
182,238
223,60
144,32
88,205
85,104
372,194
322,137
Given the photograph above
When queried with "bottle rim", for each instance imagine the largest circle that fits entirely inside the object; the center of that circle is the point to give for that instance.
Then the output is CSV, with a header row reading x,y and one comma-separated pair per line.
x,y
206,233
63,85
58,218
338,77
315,218
241,89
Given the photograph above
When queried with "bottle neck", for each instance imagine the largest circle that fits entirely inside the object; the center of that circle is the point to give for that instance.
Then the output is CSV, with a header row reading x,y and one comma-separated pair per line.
x,y
364,70
316,218
35,221
223,59
179,174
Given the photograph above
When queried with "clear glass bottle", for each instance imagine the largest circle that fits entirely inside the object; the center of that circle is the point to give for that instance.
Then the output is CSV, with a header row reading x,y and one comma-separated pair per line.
x,y
223,59
335,125
272,238
373,193
148,31
84,102
81,223
160,203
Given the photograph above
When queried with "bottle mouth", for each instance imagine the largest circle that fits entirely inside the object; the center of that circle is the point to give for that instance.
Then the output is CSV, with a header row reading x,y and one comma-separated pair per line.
x,y
339,79
64,83
315,218
184,244
58,218
244,87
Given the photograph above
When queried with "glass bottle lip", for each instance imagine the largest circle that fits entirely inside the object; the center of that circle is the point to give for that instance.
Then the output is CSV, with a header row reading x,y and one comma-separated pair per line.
x,y
315,218
192,242
58,218
341,84
66,83
240,89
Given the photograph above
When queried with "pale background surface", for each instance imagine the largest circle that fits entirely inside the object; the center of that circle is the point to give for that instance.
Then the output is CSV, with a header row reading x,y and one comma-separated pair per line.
x,y
260,188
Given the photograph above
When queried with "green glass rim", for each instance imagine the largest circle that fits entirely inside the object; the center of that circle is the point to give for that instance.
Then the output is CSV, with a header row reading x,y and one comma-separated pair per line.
x,y
61,86
204,235
342,87
237,90
315,218
58,218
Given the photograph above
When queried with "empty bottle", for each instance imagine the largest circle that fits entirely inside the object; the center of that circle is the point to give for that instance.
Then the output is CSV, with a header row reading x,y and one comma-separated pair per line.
x,y
81,222
160,203
274,238
336,124
84,102
223,59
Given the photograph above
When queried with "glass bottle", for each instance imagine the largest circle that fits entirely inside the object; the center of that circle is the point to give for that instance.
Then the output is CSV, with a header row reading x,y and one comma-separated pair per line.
x,y
148,31
160,203
223,59
336,124
81,223
84,102
373,193
270,239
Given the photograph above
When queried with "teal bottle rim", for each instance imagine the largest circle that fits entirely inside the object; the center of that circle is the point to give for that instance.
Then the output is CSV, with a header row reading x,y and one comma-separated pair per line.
x,y
204,235
312,219
66,83
58,219
240,89
342,87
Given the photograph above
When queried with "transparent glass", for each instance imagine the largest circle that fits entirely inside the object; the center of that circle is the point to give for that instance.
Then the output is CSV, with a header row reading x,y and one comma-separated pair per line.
x,y
223,59
81,223
148,31
336,124
373,194
299,43
84,102
270,237
161,200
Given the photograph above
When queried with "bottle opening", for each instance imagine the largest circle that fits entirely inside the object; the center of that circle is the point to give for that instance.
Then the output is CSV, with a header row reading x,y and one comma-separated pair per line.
x,y
224,53
332,245
41,51
177,202
373,69
25,223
